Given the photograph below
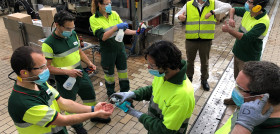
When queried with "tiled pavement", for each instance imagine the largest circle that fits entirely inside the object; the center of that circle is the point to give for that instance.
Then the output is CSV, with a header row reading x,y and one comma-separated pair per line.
x,y
121,123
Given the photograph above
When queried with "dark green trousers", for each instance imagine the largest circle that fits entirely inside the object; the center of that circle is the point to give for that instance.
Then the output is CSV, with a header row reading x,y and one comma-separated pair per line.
x,y
108,62
83,87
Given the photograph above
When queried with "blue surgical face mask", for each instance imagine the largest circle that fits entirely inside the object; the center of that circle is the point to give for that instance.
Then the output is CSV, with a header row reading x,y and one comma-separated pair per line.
x,y
247,7
237,97
156,73
204,0
67,33
43,77
108,8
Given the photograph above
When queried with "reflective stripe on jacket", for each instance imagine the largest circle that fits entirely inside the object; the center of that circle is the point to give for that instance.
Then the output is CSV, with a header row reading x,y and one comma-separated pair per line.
x,y
65,53
249,22
196,25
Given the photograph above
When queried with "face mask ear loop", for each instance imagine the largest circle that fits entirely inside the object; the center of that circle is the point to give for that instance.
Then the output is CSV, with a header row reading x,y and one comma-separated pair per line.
x,y
254,96
10,75
52,26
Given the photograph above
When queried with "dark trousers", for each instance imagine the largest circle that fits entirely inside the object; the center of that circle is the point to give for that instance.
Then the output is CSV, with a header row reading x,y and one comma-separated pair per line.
x,y
238,66
108,62
203,47
83,87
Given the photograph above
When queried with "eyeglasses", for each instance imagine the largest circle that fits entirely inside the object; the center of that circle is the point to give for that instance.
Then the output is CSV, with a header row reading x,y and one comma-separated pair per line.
x,y
151,65
250,2
44,66
107,3
69,29
245,91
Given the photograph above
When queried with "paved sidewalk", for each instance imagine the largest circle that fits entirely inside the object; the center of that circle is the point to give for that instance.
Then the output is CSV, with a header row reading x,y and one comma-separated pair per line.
x,y
121,123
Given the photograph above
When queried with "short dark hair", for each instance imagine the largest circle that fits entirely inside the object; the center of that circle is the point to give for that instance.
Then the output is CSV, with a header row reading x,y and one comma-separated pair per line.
x,y
165,54
63,16
21,59
263,3
264,78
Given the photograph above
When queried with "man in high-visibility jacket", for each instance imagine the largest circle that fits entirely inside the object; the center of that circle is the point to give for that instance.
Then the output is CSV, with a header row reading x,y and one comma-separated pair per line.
x,y
252,83
63,53
253,116
249,39
171,94
35,106
200,30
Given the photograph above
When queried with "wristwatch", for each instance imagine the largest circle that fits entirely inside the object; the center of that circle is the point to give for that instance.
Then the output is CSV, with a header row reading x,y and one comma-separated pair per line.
x,y
212,12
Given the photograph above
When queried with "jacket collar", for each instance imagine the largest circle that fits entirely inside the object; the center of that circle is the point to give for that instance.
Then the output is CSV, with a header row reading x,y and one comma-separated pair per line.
x,y
195,3
261,15
30,92
181,75
98,14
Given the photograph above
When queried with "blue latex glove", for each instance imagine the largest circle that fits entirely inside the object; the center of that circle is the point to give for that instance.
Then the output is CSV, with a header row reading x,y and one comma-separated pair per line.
x,y
122,25
250,114
141,31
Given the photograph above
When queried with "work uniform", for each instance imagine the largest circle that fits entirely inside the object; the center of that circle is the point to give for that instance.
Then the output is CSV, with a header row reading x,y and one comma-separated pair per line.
x,y
249,47
65,54
112,52
34,111
199,35
269,126
171,104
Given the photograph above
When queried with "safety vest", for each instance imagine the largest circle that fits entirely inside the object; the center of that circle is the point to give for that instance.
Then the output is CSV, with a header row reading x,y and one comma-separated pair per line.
x,y
197,26
63,52
249,22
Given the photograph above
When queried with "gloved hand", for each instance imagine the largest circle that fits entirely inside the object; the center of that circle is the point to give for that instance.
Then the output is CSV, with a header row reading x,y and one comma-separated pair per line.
x,y
122,25
250,114
141,31
123,96
133,112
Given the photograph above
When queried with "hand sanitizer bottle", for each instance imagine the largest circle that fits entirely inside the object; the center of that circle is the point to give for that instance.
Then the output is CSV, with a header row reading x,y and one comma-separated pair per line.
x,y
119,36
69,83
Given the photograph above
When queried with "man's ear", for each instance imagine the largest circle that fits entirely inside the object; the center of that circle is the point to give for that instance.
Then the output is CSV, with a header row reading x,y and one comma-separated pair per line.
x,y
56,25
24,73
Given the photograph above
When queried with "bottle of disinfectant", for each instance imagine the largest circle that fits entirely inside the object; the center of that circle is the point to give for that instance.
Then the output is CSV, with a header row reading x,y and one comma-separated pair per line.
x,y
119,36
70,82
